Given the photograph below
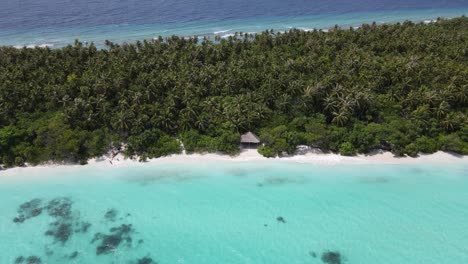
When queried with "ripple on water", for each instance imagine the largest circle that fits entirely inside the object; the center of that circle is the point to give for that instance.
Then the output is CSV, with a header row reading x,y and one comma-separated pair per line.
x,y
280,181
145,179
374,179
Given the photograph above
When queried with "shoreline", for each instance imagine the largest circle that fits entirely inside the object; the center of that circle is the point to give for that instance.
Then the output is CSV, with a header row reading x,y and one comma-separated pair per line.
x,y
312,157
61,37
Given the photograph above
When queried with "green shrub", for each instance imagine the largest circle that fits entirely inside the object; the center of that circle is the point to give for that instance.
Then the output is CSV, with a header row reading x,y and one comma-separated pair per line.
x,y
411,150
454,143
266,152
347,149
427,145
152,144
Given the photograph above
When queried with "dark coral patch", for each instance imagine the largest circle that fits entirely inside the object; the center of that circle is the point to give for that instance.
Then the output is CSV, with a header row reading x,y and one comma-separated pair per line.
x,y
65,223
60,207
61,233
19,219
82,227
33,260
313,254
122,229
28,210
19,260
33,204
145,260
48,251
110,242
281,219
331,257
96,237
73,255
111,215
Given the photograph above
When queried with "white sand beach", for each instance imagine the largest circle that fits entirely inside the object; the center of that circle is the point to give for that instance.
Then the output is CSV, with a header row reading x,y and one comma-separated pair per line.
x,y
251,155
313,156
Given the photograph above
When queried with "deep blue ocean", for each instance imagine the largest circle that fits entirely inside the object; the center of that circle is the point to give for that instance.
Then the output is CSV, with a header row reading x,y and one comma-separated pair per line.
x,y
57,23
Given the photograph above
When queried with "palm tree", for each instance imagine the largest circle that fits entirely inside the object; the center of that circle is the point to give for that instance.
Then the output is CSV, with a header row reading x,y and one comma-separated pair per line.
x,y
442,109
341,118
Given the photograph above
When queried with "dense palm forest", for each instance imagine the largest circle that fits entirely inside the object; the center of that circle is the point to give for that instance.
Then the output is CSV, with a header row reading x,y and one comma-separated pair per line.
x,y
401,87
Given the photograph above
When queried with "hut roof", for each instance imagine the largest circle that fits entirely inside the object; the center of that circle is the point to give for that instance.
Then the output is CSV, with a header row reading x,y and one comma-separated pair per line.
x,y
249,137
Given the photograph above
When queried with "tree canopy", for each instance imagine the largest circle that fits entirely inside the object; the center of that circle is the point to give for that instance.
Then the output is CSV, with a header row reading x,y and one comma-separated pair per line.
x,y
401,87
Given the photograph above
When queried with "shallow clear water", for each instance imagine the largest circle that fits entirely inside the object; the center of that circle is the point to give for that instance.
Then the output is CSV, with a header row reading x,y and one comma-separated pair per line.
x,y
229,213
56,23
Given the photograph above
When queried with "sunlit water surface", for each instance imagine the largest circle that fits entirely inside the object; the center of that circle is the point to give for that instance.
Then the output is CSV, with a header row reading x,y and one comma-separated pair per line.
x,y
262,212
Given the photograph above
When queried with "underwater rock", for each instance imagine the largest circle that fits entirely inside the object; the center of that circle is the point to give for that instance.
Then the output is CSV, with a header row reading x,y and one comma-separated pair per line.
x,y
280,219
33,260
313,254
66,223
140,241
145,260
62,233
331,257
122,229
48,251
19,219
19,260
33,204
36,212
60,207
73,255
96,237
83,227
28,210
111,215
110,242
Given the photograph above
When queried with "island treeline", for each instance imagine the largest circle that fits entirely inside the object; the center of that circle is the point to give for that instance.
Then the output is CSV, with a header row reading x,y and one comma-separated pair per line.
x,y
401,87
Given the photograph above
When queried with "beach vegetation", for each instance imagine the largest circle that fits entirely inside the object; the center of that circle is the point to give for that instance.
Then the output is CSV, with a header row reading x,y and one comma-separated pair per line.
x,y
401,88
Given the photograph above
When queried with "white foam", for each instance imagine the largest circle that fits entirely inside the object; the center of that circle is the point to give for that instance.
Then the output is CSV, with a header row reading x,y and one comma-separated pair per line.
x,y
45,45
221,31
429,21
32,46
306,29
227,36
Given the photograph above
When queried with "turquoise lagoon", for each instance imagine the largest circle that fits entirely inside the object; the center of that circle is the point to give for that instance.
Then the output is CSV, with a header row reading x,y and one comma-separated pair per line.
x,y
236,212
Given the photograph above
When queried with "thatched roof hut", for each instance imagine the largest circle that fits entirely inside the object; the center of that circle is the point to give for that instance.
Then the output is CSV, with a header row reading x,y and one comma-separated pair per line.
x,y
249,138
